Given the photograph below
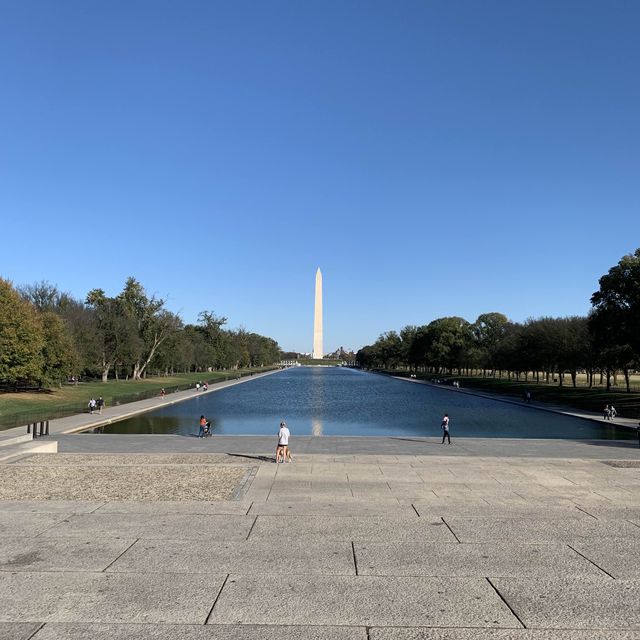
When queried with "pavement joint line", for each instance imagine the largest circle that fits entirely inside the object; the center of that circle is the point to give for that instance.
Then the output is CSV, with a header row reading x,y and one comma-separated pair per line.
x,y
120,556
413,506
367,630
585,511
245,483
355,560
275,477
591,561
249,508
515,615
104,504
64,517
605,497
450,529
635,524
251,529
36,631
216,600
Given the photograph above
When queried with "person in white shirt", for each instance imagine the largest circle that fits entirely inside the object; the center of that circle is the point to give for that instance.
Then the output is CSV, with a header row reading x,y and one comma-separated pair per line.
x,y
282,450
445,428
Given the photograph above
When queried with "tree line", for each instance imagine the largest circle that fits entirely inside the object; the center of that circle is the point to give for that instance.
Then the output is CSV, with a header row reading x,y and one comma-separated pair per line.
x,y
604,343
47,336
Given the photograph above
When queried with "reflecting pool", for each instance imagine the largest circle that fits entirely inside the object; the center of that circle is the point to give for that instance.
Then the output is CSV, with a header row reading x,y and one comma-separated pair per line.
x,y
335,401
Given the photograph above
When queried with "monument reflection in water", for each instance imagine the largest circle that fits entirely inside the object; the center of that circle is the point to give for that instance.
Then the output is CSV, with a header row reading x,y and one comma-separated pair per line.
x,y
337,401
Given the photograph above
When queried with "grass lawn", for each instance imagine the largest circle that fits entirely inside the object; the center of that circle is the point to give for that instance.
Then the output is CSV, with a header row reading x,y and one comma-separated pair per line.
x,y
626,404
19,408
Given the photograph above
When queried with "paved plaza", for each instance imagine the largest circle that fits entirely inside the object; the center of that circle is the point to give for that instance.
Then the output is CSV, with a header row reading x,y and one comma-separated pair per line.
x,y
379,538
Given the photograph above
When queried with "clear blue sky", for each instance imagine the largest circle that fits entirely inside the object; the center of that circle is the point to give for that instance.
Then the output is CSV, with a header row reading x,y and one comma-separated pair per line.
x,y
433,158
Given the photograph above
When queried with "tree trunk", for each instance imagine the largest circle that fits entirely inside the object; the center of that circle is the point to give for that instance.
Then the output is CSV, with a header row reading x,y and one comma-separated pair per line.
x,y
573,378
608,379
106,366
626,379
157,341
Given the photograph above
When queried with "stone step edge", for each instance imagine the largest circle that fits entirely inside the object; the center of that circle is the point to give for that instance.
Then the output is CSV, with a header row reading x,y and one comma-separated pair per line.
x,y
48,446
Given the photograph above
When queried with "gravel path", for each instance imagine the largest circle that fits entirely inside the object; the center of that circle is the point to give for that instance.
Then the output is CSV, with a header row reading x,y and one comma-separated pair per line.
x,y
117,460
127,477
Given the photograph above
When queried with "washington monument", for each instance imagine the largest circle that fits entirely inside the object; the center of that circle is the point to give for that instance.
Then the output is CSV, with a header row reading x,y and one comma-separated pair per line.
x,y
317,319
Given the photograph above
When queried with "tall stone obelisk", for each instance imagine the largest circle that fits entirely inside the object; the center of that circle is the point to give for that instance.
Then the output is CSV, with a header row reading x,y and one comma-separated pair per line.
x,y
317,319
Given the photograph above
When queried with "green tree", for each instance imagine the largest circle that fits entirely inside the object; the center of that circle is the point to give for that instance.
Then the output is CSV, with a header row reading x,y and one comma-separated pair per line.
x,y
69,332
615,319
210,325
21,340
407,338
59,356
419,348
131,328
389,347
450,343
489,330
366,357
573,353
113,331
151,324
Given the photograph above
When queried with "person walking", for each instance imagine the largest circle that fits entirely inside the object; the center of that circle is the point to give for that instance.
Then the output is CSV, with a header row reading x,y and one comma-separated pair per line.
x,y
606,413
445,428
162,393
203,427
283,442
100,404
92,405
612,412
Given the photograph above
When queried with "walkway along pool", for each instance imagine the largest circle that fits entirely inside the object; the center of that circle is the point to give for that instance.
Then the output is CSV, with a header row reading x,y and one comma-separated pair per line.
x,y
335,401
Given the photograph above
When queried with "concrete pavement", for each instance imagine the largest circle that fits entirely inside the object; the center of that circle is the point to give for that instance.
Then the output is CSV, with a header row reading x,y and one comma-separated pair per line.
x,y
365,538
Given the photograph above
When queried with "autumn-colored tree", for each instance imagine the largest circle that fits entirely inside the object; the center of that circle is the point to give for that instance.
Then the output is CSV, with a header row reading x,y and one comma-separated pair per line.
x,y
21,338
